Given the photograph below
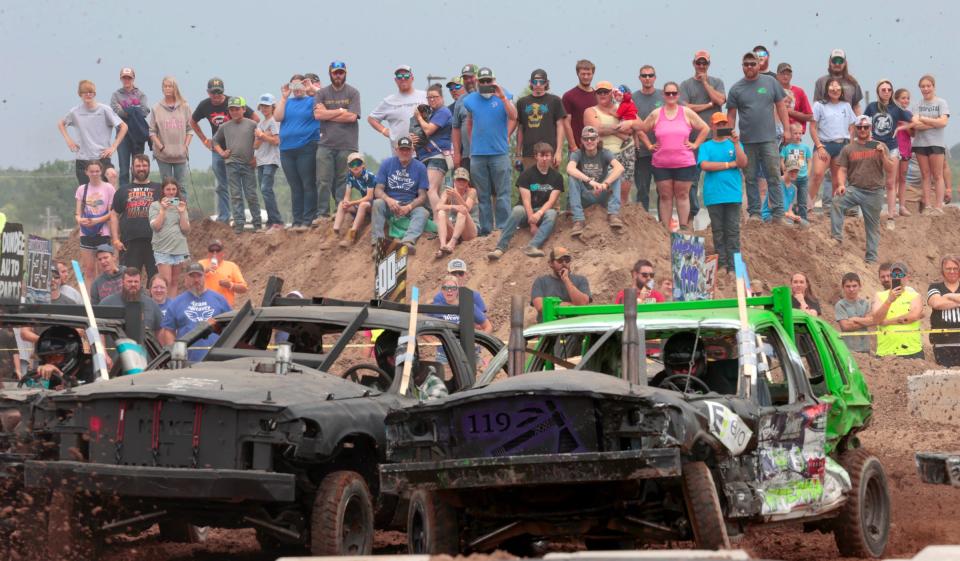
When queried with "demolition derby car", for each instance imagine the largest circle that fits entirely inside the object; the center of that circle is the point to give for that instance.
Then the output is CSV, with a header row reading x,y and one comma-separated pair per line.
x,y
938,468
587,439
287,442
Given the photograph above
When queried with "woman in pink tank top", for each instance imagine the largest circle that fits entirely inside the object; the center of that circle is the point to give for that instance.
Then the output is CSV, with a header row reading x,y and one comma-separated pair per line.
x,y
674,163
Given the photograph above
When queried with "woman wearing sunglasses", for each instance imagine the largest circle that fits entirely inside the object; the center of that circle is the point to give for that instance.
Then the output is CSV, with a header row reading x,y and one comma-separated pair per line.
x,y
616,135
830,130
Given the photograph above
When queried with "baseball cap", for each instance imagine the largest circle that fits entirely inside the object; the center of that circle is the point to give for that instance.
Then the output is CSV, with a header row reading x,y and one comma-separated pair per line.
x,y
457,81
604,85
900,265
791,164
215,85
838,53
338,65
354,156
403,67
783,66
127,71
404,142
863,120
312,76
559,251
468,70
538,74
589,132
215,245
266,99
236,101
456,265
749,55
104,248
719,117
461,173
195,268
485,73
701,54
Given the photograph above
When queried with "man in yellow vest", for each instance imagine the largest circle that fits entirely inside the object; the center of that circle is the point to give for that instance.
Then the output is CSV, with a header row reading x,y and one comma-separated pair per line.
x,y
897,312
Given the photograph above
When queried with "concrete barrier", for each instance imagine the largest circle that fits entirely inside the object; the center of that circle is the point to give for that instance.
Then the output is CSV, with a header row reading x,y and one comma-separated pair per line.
x,y
935,396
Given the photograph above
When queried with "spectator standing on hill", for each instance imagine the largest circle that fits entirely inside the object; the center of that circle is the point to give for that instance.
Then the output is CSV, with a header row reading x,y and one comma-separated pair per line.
x,y
577,100
94,200
904,137
705,95
837,69
897,312
299,135
594,178
944,300
238,135
110,280
831,129
541,118
539,187
644,281
647,99
459,136
170,222
401,191
802,294
433,149
222,276
216,112
130,104
455,87
798,104
170,133
763,60
616,135
94,123
853,314
338,109
799,154
194,306
130,218
929,143
722,158
561,282
266,150
886,117
397,109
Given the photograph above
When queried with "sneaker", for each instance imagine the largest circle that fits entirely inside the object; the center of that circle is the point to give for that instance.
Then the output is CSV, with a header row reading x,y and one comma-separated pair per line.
x,y
614,221
301,228
754,218
804,223
937,211
927,211
411,247
783,221
495,254
531,251
905,212
293,227
274,228
891,225
577,228
238,229
685,229
257,228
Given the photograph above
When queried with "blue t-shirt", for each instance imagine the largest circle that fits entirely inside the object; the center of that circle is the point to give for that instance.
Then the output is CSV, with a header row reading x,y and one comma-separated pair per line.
x,y
186,311
885,123
443,118
164,310
298,126
800,153
402,183
489,117
789,195
479,309
365,182
720,187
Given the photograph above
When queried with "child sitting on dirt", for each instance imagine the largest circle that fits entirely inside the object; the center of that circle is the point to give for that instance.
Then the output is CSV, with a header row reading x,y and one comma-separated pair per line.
x,y
789,187
364,182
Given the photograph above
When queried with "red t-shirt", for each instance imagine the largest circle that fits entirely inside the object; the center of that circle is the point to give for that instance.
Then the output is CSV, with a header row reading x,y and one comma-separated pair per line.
x,y
800,104
654,296
575,102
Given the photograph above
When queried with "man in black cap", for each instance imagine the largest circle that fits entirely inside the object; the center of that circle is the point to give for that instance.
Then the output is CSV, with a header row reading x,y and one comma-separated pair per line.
x,y
110,280
458,136
214,109
561,282
540,116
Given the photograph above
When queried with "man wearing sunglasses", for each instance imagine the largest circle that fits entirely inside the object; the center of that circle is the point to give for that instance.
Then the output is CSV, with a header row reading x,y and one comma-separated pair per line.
x,y
396,109
897,312
459,137
644,281
837,68
763,60
540,116
647,99
568,287
861,182
757,99
706,95
338,108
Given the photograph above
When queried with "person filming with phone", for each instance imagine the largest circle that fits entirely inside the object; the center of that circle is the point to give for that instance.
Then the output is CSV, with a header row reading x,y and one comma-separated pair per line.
x,y
897,312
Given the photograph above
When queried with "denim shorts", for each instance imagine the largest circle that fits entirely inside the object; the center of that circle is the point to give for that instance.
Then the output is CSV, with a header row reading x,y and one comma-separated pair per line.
x,y
92,242
834,147
169,258
437,164
928,150
688,173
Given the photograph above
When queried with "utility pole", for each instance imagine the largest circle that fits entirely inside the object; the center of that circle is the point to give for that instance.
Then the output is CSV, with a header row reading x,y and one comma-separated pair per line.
x,y
431,79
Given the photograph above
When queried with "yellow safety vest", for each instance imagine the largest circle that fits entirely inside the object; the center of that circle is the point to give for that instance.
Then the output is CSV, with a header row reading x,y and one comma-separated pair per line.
x,y
903,338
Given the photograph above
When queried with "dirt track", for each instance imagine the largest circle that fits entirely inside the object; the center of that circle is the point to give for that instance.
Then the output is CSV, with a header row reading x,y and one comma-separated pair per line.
x,y
922,515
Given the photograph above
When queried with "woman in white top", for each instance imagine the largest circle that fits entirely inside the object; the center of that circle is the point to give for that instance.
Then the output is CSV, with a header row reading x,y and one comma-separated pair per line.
x,y
830,130
929,144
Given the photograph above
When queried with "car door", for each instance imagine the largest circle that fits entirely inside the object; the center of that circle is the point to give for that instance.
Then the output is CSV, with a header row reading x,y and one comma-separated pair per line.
x,y
791,430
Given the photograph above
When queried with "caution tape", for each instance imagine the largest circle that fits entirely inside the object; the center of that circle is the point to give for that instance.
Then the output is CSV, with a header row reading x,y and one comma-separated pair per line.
x,y
897,331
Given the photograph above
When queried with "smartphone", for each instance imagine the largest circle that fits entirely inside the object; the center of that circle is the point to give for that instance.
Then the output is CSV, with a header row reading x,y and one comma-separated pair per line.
x,y
724,131
896,282
174,201
487,88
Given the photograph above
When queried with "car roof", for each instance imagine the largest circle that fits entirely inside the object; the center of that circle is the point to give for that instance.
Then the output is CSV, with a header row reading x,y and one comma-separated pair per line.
x,y
726,318
11,320
343,315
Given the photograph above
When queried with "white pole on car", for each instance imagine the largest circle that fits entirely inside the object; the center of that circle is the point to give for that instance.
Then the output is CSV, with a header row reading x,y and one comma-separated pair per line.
x,y
411,340
93,335
746,341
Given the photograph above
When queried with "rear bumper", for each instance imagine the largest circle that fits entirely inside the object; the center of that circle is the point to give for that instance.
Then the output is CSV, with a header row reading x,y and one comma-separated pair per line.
x,y
164,483
939,469
508,471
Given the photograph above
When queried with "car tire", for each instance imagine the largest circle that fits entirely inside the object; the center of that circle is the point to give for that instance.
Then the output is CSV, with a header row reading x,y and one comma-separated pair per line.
x,y
703,507
432,525
178,531
69,528
342,519
863,526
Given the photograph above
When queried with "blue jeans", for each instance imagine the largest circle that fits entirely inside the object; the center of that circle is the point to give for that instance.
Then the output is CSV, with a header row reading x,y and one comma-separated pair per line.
x,y
331,176
223,198
518,219
581,197
802,194
265,178
870,202
765,155
725,223
180,172
125,151
642,176
381,212
300,168
491,176
243,186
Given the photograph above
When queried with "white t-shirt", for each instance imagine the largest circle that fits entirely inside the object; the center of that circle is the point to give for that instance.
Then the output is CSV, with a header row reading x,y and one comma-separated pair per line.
x,y
396,109
932,109
833,120
268,153
94,129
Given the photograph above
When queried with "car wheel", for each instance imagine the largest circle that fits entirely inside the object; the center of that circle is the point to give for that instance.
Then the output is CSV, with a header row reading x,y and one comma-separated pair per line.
x,y
432,525
703,507
342,519
177,531
70,527
863,526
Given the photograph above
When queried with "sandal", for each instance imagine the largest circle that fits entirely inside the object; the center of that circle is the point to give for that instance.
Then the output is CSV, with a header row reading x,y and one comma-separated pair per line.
x,y
439,253
447,250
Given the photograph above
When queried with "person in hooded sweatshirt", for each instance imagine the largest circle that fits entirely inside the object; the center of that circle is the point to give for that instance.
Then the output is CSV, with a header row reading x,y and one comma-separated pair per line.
x,y
170,134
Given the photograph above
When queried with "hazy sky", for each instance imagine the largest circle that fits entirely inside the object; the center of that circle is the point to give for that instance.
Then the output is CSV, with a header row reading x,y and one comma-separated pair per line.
x,y
49,46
